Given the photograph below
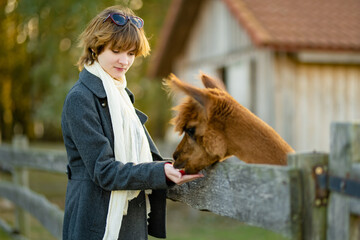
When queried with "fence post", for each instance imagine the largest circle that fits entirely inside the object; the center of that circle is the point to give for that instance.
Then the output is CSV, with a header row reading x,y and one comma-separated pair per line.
x,y
313,212
21,177
344,150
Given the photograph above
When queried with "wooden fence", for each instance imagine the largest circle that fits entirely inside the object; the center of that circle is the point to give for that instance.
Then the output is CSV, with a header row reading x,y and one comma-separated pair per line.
x,y
18,159
315,197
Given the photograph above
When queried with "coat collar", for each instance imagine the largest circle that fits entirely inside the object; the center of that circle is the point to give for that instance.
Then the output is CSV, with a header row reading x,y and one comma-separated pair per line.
x,y
95,85
142,116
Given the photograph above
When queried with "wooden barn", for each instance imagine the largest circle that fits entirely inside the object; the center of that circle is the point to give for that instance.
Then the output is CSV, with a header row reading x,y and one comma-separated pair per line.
x,y
294,63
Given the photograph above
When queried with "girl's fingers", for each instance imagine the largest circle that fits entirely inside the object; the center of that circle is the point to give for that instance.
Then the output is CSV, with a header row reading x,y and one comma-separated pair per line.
x,y
178,176
189,177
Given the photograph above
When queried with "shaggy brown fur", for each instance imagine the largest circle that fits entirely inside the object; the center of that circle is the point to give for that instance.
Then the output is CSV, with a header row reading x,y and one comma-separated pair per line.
x,y
217,127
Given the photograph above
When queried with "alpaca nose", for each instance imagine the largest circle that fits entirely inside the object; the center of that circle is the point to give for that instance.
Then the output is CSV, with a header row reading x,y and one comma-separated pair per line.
x,y
179,165
176,155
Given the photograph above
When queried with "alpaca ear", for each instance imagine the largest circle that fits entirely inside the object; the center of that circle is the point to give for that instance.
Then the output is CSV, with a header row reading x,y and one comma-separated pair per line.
x,y
174,83
210,82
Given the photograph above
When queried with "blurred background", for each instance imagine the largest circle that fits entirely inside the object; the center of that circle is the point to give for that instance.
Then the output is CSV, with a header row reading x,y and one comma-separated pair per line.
x,y
38,56
295,64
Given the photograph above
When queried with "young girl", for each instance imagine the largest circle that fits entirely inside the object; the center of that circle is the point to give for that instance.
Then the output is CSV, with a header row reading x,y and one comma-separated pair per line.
x,y
117,179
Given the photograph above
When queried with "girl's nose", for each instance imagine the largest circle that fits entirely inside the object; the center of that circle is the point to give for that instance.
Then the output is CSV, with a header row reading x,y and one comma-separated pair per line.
x,y
123,59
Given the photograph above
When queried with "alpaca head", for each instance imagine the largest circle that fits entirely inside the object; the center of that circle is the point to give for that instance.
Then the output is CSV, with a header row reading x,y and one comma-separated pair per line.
x,y
201,117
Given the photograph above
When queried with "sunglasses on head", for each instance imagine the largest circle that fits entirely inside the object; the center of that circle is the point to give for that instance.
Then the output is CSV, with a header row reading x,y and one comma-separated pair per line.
x,y
120,19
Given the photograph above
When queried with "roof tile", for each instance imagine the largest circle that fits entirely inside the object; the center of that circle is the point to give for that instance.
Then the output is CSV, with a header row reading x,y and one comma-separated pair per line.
x,y
301,24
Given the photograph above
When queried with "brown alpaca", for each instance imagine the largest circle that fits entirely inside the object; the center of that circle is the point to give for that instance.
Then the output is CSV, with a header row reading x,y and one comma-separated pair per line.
x,y
217,127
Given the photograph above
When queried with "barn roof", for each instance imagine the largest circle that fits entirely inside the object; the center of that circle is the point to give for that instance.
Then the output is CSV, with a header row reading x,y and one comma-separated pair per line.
x,y
328,25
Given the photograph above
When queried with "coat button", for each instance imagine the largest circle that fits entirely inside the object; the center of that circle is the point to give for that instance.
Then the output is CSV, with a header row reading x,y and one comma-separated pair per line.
x,y
103,104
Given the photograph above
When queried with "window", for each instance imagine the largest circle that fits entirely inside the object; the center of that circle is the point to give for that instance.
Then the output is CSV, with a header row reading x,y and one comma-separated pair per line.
x,y
240,81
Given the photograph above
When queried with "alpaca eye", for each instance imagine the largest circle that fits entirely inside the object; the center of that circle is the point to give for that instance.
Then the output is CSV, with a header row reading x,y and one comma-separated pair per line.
x,y
190,132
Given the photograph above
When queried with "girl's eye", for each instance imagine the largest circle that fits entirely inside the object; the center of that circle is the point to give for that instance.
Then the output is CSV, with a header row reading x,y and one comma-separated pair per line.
x,y
131,53
115,51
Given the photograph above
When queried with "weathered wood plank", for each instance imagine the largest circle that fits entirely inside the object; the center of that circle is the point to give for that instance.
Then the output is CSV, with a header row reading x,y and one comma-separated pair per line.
x,y
354,206
21,177
49,215
260,195
355,202
22,219
344,151
52,161
313,210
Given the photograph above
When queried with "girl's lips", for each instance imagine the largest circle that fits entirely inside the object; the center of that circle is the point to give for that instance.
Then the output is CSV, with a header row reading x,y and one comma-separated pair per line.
x,y
120,69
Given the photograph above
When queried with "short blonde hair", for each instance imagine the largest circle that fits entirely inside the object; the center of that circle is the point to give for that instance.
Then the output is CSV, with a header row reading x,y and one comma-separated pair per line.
x,y
99,34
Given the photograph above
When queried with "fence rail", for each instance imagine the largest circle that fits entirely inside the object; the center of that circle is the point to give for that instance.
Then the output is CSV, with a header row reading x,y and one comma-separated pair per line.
x,y
54,162
259,195
18,158
48,214
286,199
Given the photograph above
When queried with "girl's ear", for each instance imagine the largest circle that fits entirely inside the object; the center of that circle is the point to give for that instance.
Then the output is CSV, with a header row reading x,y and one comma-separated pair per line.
x,y
175,84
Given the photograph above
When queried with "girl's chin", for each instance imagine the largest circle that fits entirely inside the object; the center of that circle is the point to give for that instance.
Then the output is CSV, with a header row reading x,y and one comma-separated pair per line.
x,y
118,77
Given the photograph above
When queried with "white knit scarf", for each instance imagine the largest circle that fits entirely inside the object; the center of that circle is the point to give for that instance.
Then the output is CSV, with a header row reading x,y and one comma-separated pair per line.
x,y
130,145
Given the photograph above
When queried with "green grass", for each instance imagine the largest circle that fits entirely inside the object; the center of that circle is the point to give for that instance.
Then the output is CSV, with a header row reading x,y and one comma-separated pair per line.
x,y
4,236
186,223
183,222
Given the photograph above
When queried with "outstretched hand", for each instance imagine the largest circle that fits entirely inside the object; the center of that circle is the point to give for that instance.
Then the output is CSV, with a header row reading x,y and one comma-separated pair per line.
x,y
177,177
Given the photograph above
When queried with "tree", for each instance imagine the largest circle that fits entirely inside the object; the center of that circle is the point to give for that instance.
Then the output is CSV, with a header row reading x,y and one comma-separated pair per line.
x,y
39,55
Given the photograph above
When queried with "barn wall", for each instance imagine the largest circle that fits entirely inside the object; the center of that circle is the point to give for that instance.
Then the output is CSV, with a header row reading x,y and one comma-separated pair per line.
x,y
216,41
309,96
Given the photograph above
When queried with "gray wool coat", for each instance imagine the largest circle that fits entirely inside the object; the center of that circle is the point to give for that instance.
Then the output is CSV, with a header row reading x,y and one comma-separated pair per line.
x,y
93,172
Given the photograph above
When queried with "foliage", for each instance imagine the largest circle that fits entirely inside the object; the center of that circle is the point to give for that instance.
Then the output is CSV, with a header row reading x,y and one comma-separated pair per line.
x,y
39,52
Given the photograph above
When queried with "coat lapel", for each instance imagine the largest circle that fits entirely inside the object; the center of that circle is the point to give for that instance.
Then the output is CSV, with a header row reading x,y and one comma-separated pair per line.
x,y
95,85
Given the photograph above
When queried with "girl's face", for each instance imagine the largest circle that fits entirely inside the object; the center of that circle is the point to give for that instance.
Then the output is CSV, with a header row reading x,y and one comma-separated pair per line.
x,y
116,63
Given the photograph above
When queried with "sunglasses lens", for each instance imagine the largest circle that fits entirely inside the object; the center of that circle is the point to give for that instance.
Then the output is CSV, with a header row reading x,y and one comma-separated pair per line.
x,y
119,19
138,22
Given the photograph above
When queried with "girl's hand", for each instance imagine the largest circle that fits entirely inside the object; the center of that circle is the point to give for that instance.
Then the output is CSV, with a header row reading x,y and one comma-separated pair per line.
x,y
177,176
